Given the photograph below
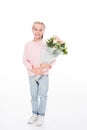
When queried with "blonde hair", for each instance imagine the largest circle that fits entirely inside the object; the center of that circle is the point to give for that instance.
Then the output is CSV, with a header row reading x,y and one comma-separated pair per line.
x,y
38,22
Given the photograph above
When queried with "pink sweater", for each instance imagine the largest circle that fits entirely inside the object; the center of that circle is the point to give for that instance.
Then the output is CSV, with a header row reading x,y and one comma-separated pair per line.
x,y
31,55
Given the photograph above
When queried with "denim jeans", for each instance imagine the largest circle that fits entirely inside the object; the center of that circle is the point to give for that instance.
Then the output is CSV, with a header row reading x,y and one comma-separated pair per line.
x,y
38,92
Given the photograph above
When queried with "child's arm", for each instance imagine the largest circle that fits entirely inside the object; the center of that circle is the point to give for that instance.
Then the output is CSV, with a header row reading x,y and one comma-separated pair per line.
x,y
47,66
26,61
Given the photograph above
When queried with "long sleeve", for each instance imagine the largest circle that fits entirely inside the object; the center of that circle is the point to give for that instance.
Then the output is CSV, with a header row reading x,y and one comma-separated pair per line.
x,y
26,61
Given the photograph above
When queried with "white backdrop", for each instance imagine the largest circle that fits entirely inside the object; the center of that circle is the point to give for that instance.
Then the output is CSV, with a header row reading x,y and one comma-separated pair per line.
x,y
67,97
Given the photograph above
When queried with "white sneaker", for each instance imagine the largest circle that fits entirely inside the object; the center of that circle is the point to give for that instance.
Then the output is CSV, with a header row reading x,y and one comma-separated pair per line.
x,y
32,119
40,120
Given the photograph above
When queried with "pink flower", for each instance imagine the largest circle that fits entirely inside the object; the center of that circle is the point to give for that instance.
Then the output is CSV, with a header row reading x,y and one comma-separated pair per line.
x,y
58,39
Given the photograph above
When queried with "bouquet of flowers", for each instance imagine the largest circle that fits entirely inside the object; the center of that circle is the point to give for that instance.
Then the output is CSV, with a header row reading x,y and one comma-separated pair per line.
x,y
50,50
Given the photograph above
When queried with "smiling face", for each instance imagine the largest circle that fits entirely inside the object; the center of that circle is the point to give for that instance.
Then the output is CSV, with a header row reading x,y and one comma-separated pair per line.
x,y
38,30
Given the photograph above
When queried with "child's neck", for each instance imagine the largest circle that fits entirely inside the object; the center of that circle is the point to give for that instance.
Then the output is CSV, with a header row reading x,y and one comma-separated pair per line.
x,y
37,40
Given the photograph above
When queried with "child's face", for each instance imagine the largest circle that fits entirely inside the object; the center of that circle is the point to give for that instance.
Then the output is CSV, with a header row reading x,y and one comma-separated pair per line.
x,y
38,31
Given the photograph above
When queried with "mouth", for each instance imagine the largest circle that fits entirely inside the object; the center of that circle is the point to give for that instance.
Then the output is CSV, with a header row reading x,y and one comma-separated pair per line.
x,y
37,35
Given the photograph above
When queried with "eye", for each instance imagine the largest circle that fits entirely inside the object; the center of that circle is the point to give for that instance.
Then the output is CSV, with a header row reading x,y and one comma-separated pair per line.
x,y
35,29
40,30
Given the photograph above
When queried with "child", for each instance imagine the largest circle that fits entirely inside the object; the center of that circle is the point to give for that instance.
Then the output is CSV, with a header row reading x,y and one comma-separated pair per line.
x,y
38,89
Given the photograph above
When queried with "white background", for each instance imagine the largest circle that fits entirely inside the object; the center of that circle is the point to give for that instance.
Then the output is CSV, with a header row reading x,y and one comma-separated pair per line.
x,y
67,97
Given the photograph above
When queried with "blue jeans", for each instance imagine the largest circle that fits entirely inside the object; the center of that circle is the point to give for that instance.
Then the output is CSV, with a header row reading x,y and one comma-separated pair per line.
x,y
38,92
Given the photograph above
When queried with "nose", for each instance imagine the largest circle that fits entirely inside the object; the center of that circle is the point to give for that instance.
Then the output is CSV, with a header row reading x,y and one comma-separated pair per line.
x,y
38,31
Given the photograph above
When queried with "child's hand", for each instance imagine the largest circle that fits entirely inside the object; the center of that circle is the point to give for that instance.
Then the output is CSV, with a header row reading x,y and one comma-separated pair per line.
x,y
39,71
34,70
45,66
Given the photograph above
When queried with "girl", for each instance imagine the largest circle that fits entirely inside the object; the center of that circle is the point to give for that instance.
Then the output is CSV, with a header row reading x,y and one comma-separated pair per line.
x,y
38,89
